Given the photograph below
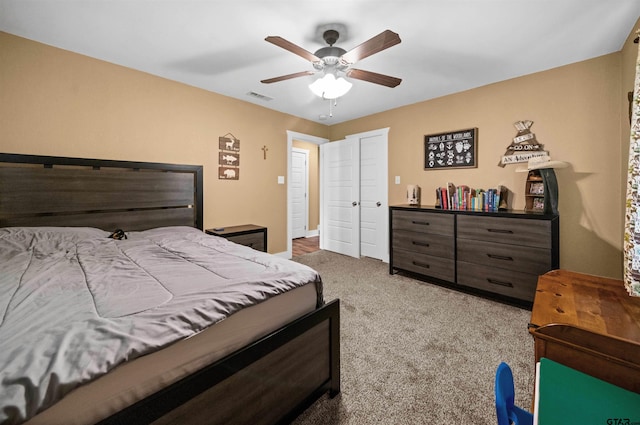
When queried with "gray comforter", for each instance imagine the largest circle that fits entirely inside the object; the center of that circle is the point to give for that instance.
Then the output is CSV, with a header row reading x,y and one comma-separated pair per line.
x,y
74,303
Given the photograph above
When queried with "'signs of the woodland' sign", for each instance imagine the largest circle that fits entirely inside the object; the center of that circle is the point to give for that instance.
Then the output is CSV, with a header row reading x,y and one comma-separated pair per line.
x,y
456,149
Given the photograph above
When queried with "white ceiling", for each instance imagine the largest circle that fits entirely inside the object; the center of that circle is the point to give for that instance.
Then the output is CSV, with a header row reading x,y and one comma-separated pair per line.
x,y
447,45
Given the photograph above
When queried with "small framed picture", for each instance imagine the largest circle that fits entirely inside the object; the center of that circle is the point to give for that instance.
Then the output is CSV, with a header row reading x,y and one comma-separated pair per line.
x,y
538,204
536,189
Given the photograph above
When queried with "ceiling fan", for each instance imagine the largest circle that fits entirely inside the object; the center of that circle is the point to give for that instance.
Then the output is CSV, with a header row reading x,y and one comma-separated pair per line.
x,y
332,60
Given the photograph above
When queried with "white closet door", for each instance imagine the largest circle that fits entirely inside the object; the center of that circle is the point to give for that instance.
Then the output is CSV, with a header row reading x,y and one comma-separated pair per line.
x,y
373,197
340,176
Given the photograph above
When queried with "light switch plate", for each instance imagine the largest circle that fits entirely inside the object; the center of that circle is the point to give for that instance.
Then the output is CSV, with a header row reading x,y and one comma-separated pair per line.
x,y
397,179
280,179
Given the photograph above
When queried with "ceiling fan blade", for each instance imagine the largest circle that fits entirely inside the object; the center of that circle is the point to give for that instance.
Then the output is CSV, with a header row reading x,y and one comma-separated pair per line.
x,y
293,48
382,41
287,77
373,77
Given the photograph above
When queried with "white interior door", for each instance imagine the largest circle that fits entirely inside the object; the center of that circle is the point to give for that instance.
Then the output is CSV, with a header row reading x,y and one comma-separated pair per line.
x,y
340,181
299,192
374,196
354,195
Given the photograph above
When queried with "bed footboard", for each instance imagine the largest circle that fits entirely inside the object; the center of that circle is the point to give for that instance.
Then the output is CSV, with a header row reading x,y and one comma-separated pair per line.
x,y
270,381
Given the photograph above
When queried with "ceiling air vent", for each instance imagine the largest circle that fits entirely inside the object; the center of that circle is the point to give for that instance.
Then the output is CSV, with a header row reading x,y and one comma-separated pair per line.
x,y
259,96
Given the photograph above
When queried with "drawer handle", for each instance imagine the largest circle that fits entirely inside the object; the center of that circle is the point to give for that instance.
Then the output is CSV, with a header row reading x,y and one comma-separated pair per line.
x,y
419,243
500,257
426,266
423,223
499,231
499,282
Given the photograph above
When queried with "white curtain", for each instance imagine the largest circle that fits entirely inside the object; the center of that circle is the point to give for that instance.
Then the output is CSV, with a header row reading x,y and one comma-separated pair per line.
x,y
632,216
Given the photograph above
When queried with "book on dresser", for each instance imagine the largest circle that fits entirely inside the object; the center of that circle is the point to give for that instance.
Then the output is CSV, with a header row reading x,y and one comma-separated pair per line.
x,y
463,197
497,253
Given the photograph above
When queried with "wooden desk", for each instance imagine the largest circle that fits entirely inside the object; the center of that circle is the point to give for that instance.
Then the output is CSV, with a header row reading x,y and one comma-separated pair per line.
x,y
590,324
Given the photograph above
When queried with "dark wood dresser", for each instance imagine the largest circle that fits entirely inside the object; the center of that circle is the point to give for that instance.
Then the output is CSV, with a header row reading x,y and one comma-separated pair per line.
x,y
423,243
498,253
247,234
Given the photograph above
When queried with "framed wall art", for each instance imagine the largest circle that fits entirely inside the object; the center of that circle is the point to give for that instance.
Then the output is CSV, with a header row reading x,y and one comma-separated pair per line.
x,y
229,157
229,144
226,173
455,149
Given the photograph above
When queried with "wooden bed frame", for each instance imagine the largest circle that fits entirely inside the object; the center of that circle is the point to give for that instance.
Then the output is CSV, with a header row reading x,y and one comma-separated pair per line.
x,y
269,381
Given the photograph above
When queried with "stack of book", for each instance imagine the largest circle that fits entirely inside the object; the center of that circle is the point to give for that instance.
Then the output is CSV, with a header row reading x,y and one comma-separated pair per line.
x,y
465,198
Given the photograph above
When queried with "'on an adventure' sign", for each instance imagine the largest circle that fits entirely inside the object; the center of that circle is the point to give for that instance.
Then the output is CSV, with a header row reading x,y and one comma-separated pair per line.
x,y
456,149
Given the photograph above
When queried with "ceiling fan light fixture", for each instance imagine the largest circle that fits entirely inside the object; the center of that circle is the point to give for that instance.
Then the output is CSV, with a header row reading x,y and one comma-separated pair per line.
x,y
330,87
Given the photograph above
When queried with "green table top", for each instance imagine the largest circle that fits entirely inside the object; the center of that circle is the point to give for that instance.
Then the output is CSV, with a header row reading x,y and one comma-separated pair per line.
x,y
567,396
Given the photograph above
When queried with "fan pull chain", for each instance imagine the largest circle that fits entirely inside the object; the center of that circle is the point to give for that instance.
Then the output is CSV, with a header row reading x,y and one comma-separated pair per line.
x,y
335,103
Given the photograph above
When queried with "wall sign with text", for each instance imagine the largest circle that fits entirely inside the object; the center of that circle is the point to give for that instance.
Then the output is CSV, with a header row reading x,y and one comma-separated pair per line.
x,y
229,157
456,149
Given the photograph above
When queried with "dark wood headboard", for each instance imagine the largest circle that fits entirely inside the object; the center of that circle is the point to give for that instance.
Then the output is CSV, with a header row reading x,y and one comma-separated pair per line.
x,y
58,191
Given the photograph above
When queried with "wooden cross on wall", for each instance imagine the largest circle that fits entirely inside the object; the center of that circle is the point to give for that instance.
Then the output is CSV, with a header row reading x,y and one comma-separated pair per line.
x,y
265,149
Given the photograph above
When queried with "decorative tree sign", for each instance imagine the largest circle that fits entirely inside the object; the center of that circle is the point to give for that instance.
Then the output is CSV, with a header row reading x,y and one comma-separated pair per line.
x,y
524,146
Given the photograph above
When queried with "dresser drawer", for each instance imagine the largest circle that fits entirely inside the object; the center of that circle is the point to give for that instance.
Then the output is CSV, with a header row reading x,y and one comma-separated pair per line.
x,y
514,231
425,243
499,281
512,257
252,240
423,222
440,268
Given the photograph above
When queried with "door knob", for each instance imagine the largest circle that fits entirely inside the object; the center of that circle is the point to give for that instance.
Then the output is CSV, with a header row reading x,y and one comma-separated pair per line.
x,y
354,203
378,204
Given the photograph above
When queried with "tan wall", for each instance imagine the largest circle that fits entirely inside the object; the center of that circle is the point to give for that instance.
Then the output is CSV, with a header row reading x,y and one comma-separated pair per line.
x,y
314,182
576,115
60,103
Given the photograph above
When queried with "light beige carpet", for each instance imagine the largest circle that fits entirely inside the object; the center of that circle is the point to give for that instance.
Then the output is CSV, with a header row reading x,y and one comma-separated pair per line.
x,y
417,353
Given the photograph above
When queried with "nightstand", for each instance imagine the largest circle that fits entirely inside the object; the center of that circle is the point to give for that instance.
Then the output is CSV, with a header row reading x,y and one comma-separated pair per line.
x,y
247,234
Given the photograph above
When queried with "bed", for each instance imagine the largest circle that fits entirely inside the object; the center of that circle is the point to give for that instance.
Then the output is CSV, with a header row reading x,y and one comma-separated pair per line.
x,y
263,362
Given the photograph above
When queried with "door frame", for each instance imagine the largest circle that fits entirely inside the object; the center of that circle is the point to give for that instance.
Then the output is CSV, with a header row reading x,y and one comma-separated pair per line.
x,y
291,136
